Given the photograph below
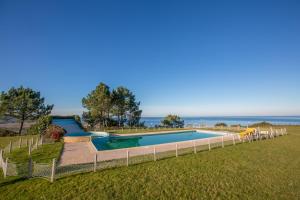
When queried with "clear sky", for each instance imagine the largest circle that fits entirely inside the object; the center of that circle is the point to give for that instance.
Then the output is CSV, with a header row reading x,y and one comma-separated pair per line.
x,y
191,58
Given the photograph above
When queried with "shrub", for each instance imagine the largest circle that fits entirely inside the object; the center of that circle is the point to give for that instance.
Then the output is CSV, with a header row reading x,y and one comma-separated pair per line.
x,y
220,124
235,125
172,121
54,132
77,118
5,132
40,126
55,135
262,124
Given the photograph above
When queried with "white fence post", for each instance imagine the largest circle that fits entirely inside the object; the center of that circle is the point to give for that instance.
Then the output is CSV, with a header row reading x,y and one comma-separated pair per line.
x,y
222,141
176,150
95,162
53,170
5,168
208,144
29,149
195,149
20,142
154,153
233,140
271,133
36,144
1,159
1,155
127,156
10,146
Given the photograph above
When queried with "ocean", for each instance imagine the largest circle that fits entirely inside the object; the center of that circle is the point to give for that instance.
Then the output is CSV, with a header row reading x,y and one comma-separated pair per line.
x,y
242,120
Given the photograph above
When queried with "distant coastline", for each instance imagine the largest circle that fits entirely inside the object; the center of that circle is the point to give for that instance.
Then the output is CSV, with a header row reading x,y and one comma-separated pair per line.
x,y
230,120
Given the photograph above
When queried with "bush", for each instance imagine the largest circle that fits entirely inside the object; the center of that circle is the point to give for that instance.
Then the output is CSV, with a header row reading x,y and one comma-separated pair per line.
x,y
236,125
262,124
5,132
220,124
54,132
77,118
40,126
172,121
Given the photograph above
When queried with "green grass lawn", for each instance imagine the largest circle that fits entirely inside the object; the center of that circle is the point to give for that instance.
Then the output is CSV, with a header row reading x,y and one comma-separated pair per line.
x,y
4,141
268,169
44,154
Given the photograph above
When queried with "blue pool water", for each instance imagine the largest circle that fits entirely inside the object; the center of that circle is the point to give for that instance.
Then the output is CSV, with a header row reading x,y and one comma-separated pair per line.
x,y
119,142
104,142
71,126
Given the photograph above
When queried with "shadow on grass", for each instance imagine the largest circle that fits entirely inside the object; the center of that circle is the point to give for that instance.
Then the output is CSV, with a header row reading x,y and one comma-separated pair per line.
x,y
11,180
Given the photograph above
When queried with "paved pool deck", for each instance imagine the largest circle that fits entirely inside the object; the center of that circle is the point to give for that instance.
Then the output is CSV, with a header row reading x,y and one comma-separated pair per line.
x,y
84,152
76,153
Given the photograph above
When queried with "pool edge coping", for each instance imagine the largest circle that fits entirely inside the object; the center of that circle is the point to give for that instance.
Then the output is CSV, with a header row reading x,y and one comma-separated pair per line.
x,y
223,133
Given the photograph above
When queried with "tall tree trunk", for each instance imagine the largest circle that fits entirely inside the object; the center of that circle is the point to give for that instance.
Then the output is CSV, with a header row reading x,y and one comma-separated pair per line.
x,y
21,126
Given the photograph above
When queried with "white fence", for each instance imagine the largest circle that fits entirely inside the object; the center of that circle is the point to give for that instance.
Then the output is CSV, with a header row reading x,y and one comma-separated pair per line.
x,y
32,143
10,168
125,157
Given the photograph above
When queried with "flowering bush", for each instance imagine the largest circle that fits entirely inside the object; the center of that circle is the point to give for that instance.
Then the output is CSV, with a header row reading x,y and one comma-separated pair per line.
x,y
54,132
55,136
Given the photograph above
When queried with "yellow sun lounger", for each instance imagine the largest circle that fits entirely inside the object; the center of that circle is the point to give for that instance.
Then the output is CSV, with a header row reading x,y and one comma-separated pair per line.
x,y
248,131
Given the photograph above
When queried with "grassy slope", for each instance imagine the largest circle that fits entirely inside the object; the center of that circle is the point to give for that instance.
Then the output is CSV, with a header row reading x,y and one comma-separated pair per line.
x,y
268,169
44,154
4,141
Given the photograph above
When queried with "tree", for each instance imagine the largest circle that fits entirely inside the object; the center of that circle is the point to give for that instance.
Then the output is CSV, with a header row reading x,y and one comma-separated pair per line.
x,y
125,107
173,121
220,124
98,104
40,126
120,100
134,117
23,104
91,121
134,113
111,108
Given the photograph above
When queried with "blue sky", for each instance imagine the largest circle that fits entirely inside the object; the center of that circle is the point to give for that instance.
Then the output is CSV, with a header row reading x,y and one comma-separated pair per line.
x,y
191,58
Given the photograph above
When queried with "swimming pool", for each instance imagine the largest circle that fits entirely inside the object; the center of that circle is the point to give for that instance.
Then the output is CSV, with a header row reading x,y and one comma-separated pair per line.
x,y
119,142
69,124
